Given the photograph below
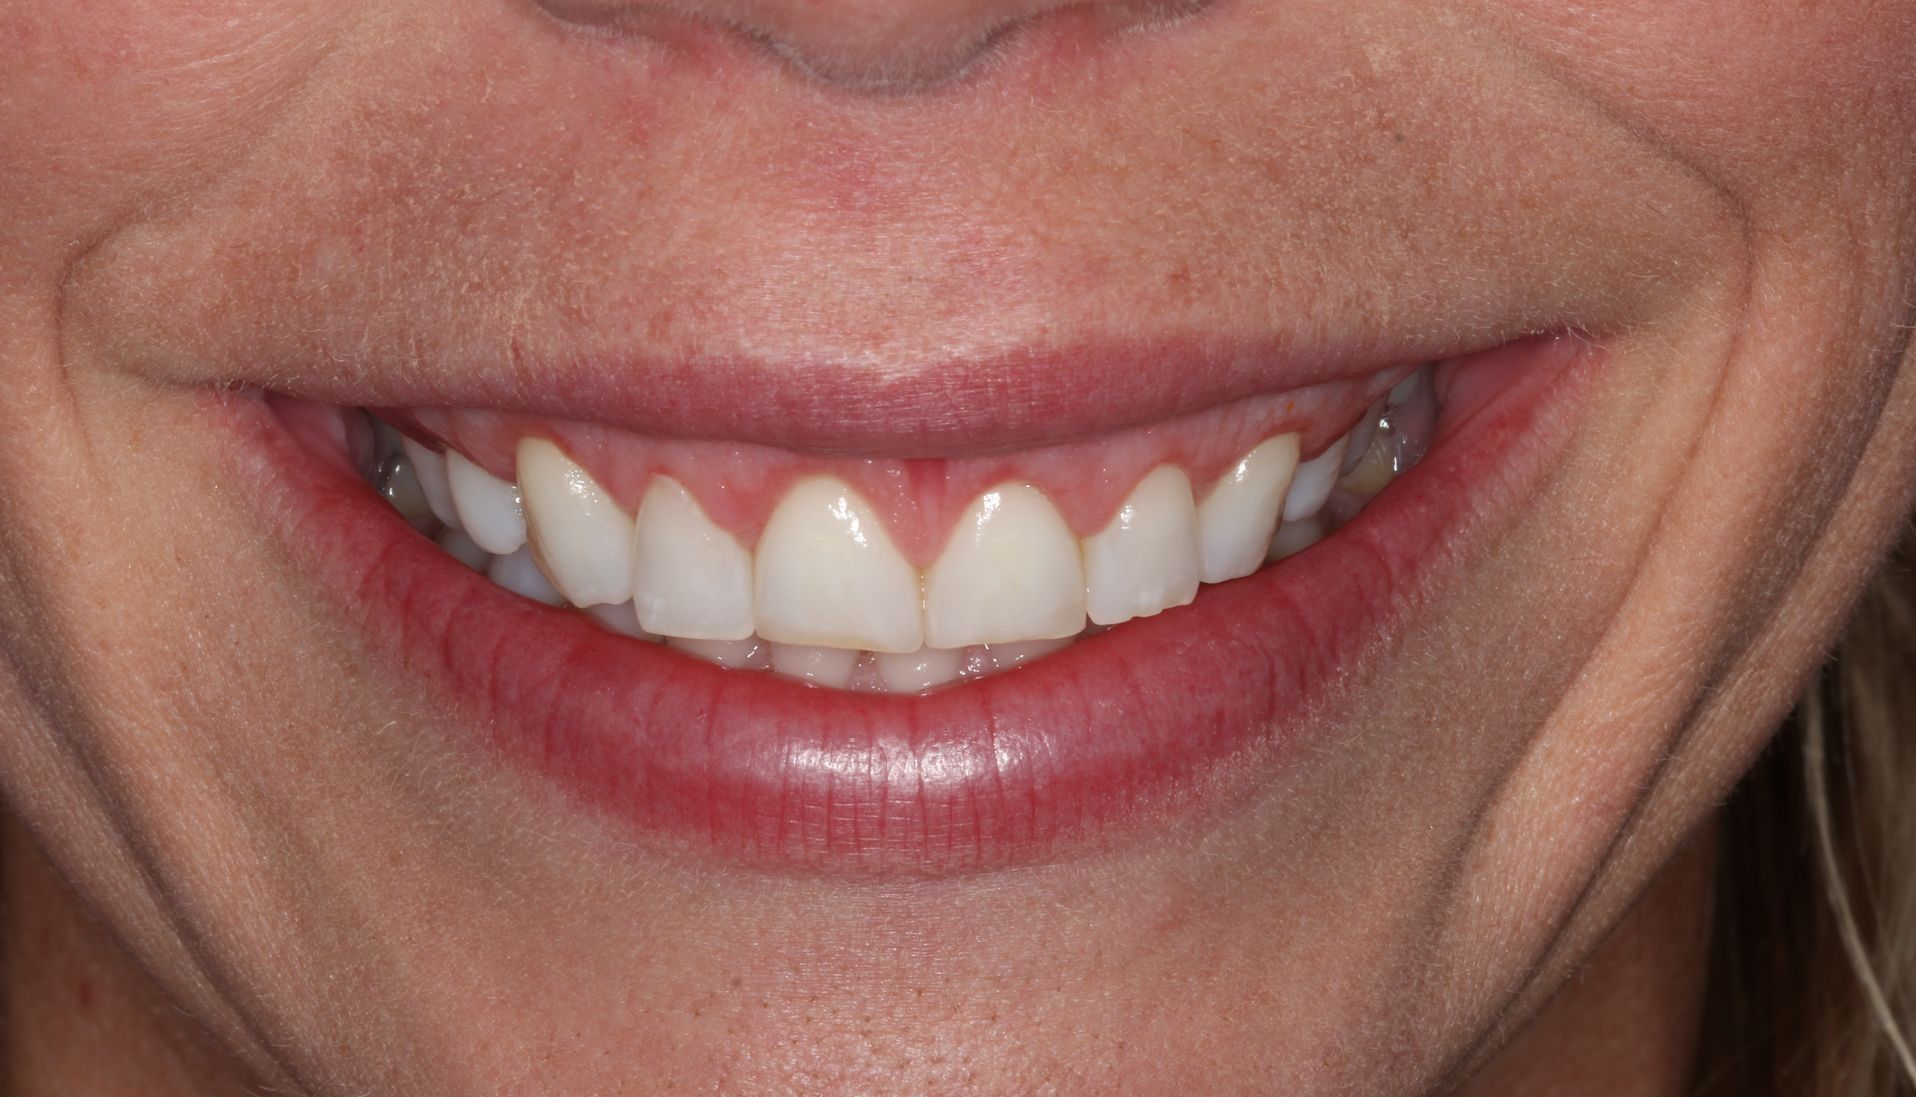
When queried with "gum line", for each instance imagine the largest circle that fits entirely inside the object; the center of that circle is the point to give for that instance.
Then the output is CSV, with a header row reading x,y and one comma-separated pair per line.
x,y
1388,439
919,499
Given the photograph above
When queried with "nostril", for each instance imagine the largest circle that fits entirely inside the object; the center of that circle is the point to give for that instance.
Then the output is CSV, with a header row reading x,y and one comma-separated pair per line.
x,y
870,45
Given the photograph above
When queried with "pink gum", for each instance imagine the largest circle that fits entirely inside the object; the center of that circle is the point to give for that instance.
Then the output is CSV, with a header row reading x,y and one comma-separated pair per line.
x,y
920,499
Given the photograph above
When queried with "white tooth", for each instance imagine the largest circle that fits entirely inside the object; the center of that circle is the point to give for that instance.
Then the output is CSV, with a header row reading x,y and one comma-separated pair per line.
x,y
820,666
1315,478
918,671
430,468
828,574
517,573
582,537
747,654
619,618
1236,521
1294,537
690,578
461,548
1012,571
1008,656
488,507
1146,560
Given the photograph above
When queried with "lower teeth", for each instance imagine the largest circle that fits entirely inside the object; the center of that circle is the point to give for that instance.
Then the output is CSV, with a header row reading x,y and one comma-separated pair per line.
x,y
1393,438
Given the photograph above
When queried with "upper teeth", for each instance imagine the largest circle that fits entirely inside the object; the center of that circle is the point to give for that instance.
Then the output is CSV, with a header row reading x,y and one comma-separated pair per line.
x,y
825,579
1012,571
828,574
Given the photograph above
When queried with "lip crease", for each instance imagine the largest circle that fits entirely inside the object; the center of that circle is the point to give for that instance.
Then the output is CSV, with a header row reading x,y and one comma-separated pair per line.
x,y
1069,753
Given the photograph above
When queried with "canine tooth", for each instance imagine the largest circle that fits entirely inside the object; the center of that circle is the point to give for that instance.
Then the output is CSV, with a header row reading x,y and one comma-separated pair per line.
x,y
1012,571
619,618
1314,480
1008,656
690,578
517,573
818,665
918,671
1294,537
1146,560
1237,520
748,654
827,574
461,548
582,537
488,507
430,468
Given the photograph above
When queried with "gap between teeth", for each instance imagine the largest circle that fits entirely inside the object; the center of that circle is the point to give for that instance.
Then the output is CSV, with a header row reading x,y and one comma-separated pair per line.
x,y
827,598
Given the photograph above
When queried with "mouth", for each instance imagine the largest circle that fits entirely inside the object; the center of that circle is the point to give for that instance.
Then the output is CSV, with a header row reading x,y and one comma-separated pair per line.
x,y
866,661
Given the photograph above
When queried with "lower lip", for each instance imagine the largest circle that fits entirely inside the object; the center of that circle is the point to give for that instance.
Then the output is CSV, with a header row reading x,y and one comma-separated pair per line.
x,y
1121,732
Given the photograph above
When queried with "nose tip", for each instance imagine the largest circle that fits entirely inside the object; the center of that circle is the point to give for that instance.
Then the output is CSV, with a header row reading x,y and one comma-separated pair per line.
x,y
884,45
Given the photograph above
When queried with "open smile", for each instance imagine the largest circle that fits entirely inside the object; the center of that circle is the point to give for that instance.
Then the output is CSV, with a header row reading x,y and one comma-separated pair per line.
x,y
977,658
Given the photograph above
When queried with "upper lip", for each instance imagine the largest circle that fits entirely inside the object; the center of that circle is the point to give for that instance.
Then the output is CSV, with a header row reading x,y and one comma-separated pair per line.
x,y
904,279
951,409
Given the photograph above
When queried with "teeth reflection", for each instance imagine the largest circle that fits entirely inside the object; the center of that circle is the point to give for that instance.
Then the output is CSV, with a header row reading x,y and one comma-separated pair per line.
x,y
461,548
817,665
519,574
917,671
748,654
1294,537
620,618
1010,656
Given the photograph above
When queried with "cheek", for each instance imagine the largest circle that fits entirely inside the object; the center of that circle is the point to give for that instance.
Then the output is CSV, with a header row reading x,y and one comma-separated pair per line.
x,y
120,106
1760,97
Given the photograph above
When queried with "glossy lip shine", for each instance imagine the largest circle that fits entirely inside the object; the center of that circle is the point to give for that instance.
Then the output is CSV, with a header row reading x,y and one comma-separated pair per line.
x,y
1062,755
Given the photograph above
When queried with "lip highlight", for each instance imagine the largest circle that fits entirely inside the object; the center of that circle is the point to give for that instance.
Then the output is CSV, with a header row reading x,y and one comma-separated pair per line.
x,y
1065,754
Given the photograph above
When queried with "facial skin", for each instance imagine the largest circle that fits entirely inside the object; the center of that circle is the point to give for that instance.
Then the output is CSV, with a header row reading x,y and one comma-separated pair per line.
x,y
275,826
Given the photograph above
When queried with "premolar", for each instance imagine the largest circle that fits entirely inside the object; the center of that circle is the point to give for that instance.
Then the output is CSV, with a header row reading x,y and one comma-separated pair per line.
x,y
1315,479
488,507
430,469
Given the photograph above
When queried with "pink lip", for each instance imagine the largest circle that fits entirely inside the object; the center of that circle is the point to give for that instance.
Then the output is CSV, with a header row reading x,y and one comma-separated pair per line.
x,y
991,403
1071,751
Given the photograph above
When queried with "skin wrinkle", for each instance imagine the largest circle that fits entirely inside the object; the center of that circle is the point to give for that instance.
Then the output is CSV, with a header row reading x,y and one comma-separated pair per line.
x,y
1727,664
1470,1057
